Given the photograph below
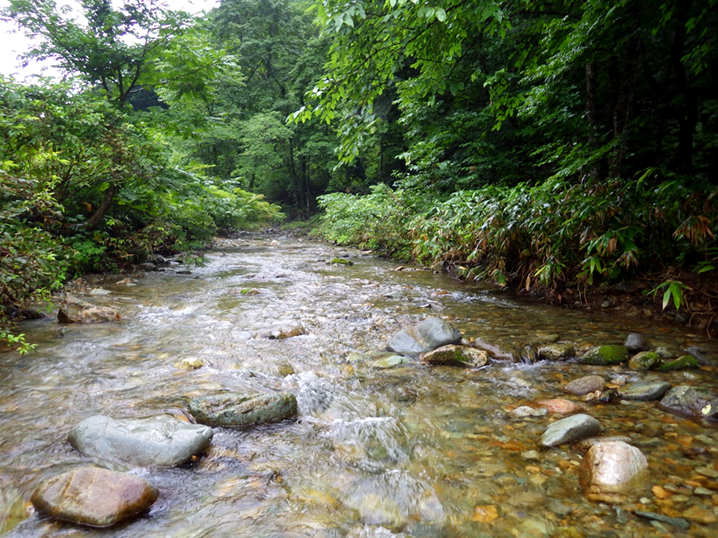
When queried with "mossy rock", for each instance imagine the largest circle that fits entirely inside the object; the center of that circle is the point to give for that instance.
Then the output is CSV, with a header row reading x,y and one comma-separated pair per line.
x,y
645,360
605,355
681,363
340,261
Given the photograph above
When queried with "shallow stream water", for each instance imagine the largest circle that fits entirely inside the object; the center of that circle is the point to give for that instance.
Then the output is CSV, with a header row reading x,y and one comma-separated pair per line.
x,y
410,451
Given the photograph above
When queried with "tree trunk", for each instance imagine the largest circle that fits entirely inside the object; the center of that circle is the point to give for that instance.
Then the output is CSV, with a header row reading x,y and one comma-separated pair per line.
x,y
96,219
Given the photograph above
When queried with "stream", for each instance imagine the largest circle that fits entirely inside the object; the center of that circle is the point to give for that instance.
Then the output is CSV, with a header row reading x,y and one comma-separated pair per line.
x,y
408,451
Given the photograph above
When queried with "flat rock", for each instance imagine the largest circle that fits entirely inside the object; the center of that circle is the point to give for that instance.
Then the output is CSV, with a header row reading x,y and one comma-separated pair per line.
x,y
559,406
161,440
556,352
453,355
238,409
644,390
430,334
570,429
686,400
93,496
612,470
636,342
585,385
605,355
73,310
389,362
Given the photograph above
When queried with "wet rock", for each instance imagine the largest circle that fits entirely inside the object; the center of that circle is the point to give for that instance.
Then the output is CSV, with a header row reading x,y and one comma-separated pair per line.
x,y
605,355
570,429
645,360
700,515
710,410
682,363
339,261
525,411
675,521
73,310
189,363
497,352
644,390
585,385
389,362
585,445
236,409
686,400
636,342
282,333
664,353
453,355
99,292
147,266
94,497
430,334
161,440
611,470
556,352
559,406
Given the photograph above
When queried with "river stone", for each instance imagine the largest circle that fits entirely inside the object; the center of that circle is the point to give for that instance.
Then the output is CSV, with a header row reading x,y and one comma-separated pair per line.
x,y
73,310
389,362
162,440
453,355
559,406
237,409
497,352
645,360
636,342
611,470
710,410
93,496
685,400
570,429
605,355
681,363
556,352
644,390
585,385
430,334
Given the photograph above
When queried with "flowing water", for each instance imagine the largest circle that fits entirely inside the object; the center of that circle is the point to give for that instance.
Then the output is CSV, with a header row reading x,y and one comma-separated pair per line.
x,y
410,451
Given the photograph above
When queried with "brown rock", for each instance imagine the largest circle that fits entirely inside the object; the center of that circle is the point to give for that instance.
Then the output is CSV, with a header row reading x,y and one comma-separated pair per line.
x,y
93,496
73,310
612,470
559,406
585,385
700,515
660,492
485,513
453,355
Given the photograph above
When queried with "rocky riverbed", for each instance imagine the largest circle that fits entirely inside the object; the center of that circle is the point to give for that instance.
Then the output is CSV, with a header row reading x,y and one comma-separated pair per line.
x,y
339,396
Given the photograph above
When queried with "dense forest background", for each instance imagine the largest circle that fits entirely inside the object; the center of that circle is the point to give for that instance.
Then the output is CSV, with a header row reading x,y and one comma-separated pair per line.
x,y
552,146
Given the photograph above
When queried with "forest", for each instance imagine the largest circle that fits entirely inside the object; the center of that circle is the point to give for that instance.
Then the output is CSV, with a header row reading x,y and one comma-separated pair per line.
x,y
554,147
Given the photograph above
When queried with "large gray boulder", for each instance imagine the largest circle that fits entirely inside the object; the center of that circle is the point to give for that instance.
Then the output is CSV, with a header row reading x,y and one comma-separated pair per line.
x,y
94,497
611,470
570,429
162,440
430,334
237,409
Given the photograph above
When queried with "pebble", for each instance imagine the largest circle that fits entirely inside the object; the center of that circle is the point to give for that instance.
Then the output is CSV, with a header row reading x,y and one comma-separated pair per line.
x,y
585,385
700,515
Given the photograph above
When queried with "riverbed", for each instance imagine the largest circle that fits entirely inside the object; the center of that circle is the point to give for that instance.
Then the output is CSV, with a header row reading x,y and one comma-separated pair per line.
x,y
407,451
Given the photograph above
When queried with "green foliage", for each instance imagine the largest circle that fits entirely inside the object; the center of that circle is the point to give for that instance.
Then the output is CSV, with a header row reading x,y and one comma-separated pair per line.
x,y
380,220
